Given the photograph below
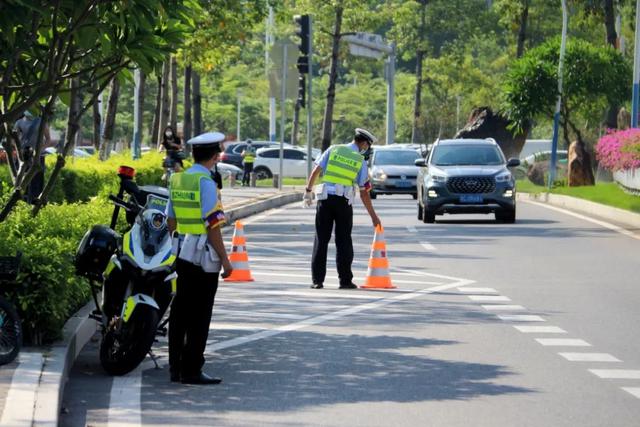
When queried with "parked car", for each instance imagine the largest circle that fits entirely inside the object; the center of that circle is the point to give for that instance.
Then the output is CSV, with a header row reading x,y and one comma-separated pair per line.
x,y
232,153
226,169
393,171
541,156
267,162
466,176
77,152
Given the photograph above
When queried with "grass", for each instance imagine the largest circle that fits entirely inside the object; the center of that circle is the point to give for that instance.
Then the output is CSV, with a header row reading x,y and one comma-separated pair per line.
x,y
607,193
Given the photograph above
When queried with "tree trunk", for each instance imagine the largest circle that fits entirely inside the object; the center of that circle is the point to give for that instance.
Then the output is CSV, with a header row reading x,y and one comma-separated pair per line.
x,y
110,120
164,101
97,119
156,115
612,38
522,32
173,114
186,127
416,134
197,101
327,124
73,126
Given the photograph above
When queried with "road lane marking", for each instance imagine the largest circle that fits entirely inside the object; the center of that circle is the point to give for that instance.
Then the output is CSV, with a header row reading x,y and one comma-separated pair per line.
x,y
19,404
563,342
494,298
589,357
428,246
319,293
540,329
635,391
259,314
361,279
412,229
124,400
502,307
626,374
469,290
589,219
228,326
520,318
298,304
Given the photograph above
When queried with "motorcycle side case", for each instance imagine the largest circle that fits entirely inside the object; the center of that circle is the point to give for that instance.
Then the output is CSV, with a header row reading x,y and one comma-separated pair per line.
x,y
95,250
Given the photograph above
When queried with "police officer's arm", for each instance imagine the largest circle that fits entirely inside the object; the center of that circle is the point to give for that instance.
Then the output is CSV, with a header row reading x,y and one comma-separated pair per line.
x,y
172,224
366,201
312,178
214,236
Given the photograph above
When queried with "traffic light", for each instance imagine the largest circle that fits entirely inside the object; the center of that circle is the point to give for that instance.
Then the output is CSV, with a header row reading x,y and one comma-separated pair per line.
x,y
303,22
302,91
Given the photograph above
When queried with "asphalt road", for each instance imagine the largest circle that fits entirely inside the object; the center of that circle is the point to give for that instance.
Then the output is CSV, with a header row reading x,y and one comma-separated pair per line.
x,y
530,324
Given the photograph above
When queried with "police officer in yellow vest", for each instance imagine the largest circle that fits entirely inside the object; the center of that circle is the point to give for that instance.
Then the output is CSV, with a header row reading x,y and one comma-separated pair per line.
x,y
342,167
248,157
194,211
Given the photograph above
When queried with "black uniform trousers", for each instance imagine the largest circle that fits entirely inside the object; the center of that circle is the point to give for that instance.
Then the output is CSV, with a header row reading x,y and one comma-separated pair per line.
x,y
246,177
190,318
333,210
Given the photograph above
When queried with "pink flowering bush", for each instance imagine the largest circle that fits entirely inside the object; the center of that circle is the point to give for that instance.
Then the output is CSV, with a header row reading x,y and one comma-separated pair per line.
x,y
619,150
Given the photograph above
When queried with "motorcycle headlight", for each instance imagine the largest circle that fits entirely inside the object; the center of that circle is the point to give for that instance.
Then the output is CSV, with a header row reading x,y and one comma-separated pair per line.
x,y
438,178
503,177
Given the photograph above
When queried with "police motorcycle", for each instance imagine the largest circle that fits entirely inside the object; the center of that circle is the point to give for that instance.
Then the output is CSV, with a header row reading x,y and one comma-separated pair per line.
x,y
134,271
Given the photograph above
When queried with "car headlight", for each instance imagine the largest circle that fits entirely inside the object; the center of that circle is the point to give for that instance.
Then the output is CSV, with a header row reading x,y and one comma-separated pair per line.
x,y
438,178
379,174
503,177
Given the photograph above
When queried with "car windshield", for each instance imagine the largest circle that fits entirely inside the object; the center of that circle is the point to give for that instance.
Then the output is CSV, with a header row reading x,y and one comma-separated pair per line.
x,y
463,155
395,157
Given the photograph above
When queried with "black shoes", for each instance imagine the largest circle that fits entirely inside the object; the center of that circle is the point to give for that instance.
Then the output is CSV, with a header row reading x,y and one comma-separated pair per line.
x,y
200,378
317,286
175,377
349,286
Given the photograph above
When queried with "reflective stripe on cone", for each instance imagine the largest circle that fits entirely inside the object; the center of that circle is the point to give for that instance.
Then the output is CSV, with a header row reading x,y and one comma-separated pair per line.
x,y
378,271
239,257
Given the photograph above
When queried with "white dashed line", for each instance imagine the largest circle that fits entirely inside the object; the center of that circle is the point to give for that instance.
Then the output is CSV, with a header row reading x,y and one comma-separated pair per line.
x,y
589,357
626,374
540,329
492,298
635,391
563,342
502,307
478,290
428,246
412,229
521,318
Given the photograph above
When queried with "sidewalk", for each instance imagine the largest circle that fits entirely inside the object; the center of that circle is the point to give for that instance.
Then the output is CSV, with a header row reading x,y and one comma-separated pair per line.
x,y
31,387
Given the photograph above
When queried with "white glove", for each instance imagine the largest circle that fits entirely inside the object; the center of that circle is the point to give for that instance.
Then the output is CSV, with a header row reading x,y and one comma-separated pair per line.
x,y
307,199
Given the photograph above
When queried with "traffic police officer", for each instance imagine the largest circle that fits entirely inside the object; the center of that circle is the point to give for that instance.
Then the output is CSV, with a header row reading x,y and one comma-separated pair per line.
x,y
248,157
342,167
195,212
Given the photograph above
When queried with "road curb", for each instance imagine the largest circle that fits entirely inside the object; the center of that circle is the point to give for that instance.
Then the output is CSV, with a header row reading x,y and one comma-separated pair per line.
x,y
609,213
79,329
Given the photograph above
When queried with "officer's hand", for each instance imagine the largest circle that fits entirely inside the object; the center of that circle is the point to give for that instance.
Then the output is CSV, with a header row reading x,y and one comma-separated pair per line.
x,y
376,221
307,199
227,269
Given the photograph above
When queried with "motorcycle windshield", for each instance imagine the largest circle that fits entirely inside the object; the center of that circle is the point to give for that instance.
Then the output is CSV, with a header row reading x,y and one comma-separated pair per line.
x,y
153,231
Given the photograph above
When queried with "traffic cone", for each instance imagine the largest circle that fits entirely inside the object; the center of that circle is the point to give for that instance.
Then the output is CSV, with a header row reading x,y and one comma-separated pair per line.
x,y
239,257
378,273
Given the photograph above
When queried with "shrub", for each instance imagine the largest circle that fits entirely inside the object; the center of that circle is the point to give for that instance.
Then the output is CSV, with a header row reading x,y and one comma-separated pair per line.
x,y
47,291
619,150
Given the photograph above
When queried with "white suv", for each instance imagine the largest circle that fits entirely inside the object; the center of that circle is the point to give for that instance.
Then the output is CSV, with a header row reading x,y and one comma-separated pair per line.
x,y
267,163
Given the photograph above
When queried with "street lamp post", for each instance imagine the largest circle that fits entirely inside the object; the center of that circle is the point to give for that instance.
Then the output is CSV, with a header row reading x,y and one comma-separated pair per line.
x,y
636,71
239,95
556,116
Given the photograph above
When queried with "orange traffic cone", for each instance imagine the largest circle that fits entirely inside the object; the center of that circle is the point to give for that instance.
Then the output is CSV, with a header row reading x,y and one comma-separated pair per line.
x,y
378,273
239,257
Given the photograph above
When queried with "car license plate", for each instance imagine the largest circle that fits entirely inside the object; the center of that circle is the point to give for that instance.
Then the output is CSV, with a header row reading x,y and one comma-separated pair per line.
x,y
470,198
403,183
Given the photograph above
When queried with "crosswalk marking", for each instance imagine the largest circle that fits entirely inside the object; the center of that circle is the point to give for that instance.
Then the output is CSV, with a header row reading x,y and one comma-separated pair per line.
x,y
540,329
566,342
520,318
487,298
635,391
627,374
469,290
428,246
589,357
502,307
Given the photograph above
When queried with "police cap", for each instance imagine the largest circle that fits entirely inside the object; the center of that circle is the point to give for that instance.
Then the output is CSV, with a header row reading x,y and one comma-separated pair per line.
x,y
365,134
207,139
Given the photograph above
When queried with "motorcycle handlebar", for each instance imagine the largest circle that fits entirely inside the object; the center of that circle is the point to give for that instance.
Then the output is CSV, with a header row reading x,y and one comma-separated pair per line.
x,y
126,205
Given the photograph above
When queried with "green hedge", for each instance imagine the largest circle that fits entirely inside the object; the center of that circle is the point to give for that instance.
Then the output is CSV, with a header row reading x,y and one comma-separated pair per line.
x,y
83,178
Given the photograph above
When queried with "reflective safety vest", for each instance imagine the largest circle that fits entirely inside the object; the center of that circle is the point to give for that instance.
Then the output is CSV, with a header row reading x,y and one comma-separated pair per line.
x,y
185,198
343,166
249,155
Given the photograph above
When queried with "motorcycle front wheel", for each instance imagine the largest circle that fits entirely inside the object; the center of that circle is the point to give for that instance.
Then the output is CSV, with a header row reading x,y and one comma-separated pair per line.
x,y
10,332
121,351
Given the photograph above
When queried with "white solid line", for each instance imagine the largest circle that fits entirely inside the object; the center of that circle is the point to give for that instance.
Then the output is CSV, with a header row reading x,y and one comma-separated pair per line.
x,y
627,374
412,229
540,329
252,301
502,307
319,293
428,246
589,219
520,318
124,401
589,357
563,342
282,251
19,404
469,290
258,314
488,298
360,279
635,391
227,326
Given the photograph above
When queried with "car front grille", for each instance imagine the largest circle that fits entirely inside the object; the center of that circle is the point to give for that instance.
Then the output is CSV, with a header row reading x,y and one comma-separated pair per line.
x,y
401,176
471,185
